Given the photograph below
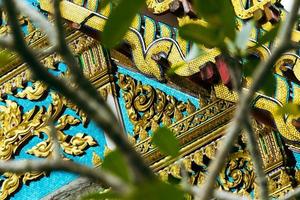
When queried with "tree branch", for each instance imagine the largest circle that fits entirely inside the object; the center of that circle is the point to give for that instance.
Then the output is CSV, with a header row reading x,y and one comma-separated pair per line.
x,y
196,192
96,108
81,81
55,142
39,20
48,165
257,161
292,195
245,99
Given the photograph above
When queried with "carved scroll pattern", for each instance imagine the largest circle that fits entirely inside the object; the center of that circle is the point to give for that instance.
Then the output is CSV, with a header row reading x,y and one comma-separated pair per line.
x,y
18,127
236,176
148,108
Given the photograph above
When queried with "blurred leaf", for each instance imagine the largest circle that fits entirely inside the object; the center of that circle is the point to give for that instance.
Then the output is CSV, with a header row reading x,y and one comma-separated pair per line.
x,y
116,164
166,141
5,58
228,19
249,66
268,85
113,2
218,13
194,52
171,71
208,9
106,195
243,36
157,191
210,37
268,36
231,47
119,21
289,109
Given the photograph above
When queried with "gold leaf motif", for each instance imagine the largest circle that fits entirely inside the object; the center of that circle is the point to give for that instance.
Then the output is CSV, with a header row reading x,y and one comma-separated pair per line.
x,y
238,173
198,158
147,107
158,7
18,128
78,144
9,185
34,92
29,176
42,149
96,159
163,175
175,171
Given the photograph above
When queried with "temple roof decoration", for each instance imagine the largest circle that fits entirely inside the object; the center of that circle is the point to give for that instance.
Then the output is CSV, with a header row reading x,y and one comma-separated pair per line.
x,y
196,103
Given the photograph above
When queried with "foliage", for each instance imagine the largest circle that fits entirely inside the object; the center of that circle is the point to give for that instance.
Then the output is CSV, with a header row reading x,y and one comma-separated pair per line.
x,y
219,33
115,163
166,141
119,21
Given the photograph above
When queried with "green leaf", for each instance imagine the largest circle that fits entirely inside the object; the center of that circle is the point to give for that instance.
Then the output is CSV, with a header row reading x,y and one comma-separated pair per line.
x,y
193,53
5,58
171,71
243,36
268,85
208,9
113,2
250,65
289,109
157,191
166,141
119,21
228,19
218,13
116,164
268,36
210,37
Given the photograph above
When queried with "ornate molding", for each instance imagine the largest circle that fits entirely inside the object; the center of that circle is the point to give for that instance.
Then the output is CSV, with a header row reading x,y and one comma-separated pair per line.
x,y
20,125
236,176
148,108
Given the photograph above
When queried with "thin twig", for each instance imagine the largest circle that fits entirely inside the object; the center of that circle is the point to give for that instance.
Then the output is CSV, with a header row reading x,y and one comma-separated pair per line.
x,y
48,165
245,99
39,20
257,161
6,42
55,142
219,194
63,48
139,168
292,195
96,108
45,51
224,195
195,190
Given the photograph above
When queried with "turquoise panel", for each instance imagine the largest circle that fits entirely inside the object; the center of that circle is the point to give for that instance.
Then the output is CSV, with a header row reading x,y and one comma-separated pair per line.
x,y
37,189
180,96
297,158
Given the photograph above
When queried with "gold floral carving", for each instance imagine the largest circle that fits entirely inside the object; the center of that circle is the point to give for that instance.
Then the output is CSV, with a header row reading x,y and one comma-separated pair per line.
x,y
214,114
237,175
148,107
18,127
173,47
280,183
158,6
